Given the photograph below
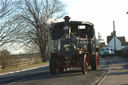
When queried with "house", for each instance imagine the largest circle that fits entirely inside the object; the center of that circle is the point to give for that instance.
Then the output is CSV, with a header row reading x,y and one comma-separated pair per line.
x,y
120,42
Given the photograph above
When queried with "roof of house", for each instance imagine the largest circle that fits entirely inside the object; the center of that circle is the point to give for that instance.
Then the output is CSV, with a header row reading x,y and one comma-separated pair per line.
x,y
126,43
109,38
122,39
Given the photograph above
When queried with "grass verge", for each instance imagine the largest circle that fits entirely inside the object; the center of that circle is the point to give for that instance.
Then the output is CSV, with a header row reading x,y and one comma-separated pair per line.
x,y
22,67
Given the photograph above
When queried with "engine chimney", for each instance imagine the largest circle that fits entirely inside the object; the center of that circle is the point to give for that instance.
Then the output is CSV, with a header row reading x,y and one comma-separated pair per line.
x,y
67,18
67,27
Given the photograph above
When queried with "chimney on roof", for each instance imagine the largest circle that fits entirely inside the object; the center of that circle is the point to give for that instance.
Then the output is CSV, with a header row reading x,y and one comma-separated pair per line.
x,y
113,33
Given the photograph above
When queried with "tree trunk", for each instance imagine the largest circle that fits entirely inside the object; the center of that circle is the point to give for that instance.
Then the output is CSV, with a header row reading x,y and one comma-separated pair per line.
x,y
42,54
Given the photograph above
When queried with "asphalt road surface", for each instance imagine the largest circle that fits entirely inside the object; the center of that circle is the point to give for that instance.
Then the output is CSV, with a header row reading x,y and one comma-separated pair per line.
x,y
41,76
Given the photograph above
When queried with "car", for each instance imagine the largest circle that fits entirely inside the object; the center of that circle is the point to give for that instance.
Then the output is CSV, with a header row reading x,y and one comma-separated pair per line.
x,y
112,52
106,51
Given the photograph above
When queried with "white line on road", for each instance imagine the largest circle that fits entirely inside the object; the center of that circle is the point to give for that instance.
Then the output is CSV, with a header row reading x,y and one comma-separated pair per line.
x,y
104,77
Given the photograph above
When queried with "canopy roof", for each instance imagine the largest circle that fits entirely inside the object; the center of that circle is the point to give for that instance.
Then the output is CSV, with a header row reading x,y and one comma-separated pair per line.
x,y
76,23
58,31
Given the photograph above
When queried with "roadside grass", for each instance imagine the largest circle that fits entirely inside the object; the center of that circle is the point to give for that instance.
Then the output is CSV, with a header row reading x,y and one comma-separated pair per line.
x,y
22,67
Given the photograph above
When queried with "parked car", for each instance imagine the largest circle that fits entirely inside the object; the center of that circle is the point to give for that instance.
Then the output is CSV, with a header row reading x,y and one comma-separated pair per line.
x,y
106,51
112,52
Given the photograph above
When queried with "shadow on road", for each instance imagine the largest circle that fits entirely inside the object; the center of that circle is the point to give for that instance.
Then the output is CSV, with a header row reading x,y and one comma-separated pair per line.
x,y
39,76
43,74
47,76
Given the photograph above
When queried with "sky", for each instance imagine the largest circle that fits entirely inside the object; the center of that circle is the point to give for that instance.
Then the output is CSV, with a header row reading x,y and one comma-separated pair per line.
x,y
101,13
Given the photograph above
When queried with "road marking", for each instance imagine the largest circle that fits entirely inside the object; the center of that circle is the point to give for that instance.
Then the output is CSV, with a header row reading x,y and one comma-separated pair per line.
x,y
104,67
103,78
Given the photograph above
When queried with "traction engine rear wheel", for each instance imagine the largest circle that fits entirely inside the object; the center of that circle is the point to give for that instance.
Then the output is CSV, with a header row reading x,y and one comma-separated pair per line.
x,y
84,64
95,62
52,67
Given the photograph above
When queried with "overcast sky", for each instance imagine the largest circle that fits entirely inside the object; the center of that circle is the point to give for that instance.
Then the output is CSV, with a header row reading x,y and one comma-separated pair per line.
x,y
101,13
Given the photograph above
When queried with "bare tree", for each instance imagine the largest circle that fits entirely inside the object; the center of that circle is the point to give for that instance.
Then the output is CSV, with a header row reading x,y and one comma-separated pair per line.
x,y
9,32
101,41
9,27
4,8
36,14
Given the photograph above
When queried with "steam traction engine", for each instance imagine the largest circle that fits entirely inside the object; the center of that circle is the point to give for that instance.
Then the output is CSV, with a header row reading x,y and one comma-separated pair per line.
x,y
74,45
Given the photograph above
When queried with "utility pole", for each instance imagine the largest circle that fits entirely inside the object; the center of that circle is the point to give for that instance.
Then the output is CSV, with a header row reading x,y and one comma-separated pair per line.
x,y
114,35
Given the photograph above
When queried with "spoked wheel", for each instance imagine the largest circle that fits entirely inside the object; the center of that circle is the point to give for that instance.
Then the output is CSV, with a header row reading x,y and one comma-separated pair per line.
x,y
52,67
95,62
84,64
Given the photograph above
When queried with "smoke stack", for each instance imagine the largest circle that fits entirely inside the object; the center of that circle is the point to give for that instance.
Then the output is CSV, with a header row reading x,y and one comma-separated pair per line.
x,y
67,18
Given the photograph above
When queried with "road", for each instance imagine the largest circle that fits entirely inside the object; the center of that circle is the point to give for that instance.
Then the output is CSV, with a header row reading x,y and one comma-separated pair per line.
x,y
41,76
118,73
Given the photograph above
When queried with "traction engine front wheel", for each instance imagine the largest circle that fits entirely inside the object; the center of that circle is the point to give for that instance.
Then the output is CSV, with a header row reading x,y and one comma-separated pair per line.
x,y
84,64
95,62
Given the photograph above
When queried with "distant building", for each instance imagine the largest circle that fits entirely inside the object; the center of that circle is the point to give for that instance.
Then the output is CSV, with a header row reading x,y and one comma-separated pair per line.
x,y
120,42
